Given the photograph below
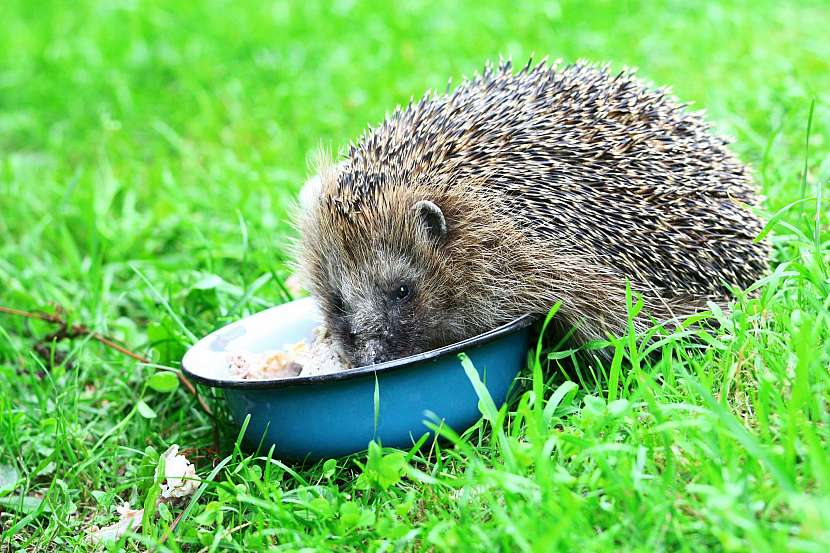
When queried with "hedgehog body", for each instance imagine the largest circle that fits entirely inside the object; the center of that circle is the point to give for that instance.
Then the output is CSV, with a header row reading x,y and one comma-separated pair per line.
x,y
518,190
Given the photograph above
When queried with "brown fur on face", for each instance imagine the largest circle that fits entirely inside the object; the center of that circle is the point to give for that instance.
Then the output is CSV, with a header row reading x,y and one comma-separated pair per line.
x,y
554,185
358,257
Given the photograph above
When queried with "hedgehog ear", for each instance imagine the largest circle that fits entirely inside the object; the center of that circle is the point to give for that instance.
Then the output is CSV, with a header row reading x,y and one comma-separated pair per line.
x,y
431,219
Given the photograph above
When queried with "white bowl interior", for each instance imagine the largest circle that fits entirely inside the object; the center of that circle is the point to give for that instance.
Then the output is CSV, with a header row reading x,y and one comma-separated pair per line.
x,y
272,329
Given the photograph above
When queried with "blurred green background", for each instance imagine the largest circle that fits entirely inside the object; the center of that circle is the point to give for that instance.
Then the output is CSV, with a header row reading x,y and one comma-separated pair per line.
x,y
140,129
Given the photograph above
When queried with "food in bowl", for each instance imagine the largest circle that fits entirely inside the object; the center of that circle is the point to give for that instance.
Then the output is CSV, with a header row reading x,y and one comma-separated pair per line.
x,y
302,358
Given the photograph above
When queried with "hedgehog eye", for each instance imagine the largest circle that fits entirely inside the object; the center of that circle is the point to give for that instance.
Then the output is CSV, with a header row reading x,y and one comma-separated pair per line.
x,y
402,292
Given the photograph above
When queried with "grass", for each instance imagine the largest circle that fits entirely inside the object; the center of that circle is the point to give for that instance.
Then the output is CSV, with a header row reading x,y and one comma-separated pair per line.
x,y
148,155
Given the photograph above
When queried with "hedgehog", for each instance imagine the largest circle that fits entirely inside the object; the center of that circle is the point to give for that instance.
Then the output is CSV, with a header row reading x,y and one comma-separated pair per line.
x,y
519,190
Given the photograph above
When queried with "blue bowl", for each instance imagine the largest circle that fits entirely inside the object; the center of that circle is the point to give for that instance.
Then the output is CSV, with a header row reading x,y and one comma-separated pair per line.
x,y
331,415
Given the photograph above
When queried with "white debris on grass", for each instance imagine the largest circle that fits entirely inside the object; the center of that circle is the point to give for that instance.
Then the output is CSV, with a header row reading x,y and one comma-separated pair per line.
x,y
180,480
129,520
300,359
180,475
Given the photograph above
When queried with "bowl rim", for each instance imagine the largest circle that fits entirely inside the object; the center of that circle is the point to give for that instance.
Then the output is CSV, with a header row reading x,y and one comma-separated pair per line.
x,y
516,324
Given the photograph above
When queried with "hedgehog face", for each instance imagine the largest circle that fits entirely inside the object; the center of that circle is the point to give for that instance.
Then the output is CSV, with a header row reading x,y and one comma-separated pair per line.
x,y
378,297
374,316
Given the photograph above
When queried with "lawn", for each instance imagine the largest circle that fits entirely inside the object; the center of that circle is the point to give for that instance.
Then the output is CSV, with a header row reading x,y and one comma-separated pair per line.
x,y
149,155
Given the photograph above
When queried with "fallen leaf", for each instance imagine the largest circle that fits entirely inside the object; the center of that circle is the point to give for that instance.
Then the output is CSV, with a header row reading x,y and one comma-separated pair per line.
x,y
130,520
180,481
180,475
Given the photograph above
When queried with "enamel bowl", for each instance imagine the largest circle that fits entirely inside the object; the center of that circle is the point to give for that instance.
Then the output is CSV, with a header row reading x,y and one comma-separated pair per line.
x,y
314,417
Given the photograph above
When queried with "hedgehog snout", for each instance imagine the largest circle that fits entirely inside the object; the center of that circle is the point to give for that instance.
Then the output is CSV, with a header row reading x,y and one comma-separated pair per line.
x,y
372,353
380,346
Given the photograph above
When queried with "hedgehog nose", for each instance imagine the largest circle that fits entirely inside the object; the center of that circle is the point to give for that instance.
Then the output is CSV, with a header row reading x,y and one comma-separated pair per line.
x,y
373,353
